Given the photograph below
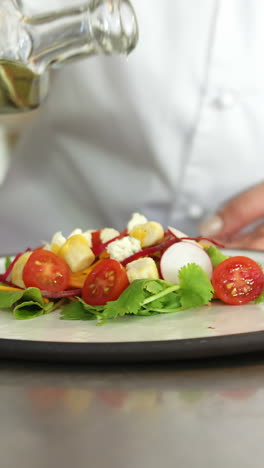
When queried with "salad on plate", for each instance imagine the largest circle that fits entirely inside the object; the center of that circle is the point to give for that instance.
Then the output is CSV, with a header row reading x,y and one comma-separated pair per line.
x,y
144,270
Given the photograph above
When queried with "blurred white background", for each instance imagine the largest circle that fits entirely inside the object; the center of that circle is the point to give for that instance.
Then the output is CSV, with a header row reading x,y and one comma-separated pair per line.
x,y
11,128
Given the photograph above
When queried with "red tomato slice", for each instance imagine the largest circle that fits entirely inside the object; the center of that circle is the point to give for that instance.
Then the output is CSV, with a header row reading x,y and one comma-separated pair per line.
x,y
238,280
47,271
46,397
105,283
113,398
235,394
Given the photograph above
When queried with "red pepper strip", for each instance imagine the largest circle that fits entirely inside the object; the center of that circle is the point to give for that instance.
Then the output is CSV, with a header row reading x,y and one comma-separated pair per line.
x,y
50,294
100,248
5,275
96,240
198,239
60,294
149,251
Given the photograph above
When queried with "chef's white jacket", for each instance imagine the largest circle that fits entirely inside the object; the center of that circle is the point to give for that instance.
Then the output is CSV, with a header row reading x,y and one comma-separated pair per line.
x,y
171,132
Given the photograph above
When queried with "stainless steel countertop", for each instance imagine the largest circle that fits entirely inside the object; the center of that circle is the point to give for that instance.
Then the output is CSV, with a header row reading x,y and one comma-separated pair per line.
x,y
204,414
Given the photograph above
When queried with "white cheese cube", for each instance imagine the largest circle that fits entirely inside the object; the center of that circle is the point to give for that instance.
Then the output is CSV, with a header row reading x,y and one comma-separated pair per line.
x,y
142,268
77,253
148,234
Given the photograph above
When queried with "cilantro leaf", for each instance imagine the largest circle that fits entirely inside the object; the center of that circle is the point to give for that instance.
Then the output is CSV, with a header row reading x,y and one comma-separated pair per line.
x,y
145,297
130,301
195,287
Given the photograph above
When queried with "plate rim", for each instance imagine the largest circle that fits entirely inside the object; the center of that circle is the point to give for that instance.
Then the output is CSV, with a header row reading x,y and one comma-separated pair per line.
x,y
132,352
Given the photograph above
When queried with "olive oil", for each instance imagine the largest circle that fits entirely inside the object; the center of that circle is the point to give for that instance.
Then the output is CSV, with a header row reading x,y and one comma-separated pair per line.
x,y
21,89
32,45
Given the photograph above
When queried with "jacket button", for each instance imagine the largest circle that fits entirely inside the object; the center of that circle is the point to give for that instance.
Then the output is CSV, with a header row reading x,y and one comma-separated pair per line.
x,y
226,99
195,211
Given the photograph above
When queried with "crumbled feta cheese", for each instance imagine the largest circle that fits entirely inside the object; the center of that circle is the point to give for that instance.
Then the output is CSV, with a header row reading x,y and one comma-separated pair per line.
x,y
58,239
75,232
88,236
123,248
107,234
136,219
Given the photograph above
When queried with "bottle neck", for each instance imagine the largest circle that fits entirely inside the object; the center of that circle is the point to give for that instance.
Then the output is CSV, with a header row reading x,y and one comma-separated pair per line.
x,y
104,27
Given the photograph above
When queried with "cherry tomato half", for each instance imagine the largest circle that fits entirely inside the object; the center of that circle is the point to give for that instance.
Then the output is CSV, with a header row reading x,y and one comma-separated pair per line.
x,y
105,283
47,271
238,280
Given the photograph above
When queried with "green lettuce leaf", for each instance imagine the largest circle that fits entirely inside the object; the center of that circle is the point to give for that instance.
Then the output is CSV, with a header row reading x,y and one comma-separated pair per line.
x,y
215,255
9,298
260,298
8,262
25,304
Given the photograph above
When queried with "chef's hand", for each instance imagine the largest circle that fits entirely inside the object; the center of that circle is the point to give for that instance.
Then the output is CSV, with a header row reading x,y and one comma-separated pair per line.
x,y
238,213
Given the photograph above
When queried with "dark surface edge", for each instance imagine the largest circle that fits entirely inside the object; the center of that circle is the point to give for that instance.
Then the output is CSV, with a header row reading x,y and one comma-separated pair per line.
x,y
133,352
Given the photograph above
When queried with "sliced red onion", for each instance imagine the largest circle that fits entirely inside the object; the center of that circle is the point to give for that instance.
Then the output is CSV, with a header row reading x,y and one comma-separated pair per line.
x,y
151,251
183,237
8,283
206,239
61,294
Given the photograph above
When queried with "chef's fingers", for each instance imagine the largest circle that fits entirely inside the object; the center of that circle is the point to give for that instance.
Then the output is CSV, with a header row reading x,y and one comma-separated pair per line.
x,y
236,214
251,240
